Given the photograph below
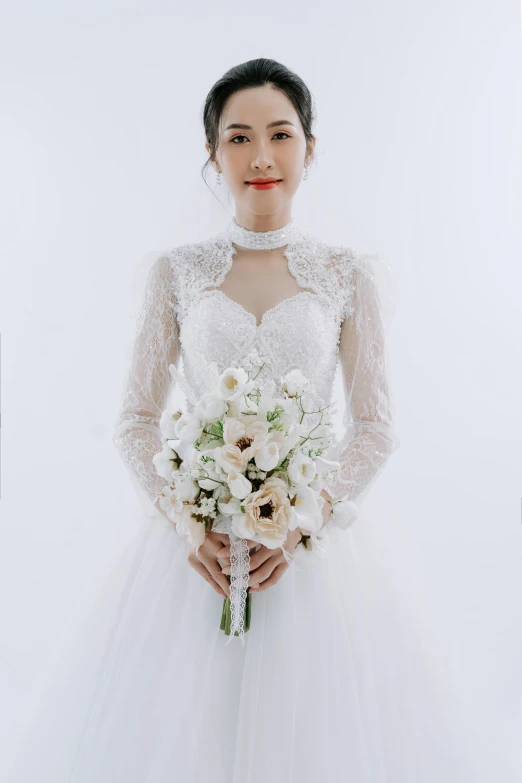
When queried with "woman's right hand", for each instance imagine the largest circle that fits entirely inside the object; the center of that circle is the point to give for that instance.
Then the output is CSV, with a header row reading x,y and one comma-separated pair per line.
x,y
205,562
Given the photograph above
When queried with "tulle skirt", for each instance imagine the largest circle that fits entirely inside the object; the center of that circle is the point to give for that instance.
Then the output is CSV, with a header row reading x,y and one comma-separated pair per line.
x,y
328,686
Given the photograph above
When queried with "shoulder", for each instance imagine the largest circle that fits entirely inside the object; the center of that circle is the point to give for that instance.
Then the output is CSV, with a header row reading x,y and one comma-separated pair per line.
x,y
194,252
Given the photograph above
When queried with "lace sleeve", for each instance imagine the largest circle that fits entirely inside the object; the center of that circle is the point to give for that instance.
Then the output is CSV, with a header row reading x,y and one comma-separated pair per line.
x,y
369,437
156,345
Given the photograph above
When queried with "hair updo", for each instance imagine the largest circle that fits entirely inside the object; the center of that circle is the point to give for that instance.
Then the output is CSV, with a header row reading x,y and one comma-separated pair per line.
x,y
256,73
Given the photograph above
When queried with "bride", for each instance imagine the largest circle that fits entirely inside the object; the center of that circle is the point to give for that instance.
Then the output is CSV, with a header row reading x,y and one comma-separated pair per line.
x,y
322,687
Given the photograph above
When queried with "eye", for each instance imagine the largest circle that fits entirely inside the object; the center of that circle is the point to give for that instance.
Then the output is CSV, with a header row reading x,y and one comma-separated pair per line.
x,y
279,133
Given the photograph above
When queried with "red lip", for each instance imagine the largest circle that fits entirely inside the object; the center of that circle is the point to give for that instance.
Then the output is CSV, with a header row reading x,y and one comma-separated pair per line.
x,y
261,181
266,184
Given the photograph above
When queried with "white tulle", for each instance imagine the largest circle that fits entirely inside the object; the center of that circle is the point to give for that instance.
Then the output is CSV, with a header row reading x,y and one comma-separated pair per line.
x,y
332,683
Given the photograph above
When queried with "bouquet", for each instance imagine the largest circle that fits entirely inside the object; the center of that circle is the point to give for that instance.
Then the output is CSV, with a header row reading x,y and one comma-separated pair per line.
x,y
247,461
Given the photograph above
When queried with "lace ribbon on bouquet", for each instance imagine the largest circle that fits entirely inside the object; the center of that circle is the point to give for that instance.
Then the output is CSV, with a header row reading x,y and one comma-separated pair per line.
x,y
239,576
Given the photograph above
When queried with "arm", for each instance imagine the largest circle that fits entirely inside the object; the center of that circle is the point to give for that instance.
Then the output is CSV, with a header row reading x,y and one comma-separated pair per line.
x,y
146,387
369,438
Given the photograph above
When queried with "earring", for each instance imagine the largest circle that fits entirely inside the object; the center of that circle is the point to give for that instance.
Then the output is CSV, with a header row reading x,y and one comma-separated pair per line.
x,y
218,178
306,172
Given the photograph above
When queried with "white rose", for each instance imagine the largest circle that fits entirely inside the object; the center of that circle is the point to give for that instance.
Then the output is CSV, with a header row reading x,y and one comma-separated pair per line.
x,y
233,382
210,407
344,513
239,485
301,469
267,457
168,422
186,488
294,383
164,462
189,427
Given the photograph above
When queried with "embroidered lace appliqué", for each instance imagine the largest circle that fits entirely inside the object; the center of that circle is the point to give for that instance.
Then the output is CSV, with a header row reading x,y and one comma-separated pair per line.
x,y
337,320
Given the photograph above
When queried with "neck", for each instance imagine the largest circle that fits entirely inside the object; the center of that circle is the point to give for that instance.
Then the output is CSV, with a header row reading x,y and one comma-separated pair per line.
x,y
272,222
262,240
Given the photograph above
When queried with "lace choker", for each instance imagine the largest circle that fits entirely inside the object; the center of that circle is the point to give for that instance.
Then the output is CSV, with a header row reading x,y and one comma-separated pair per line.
x,y
262,240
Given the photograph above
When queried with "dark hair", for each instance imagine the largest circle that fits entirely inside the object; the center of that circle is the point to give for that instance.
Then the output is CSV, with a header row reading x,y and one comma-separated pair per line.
x,y
255,73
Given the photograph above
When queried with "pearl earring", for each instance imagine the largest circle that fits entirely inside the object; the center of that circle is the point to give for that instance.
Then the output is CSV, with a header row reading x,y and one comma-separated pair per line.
x,y
218,178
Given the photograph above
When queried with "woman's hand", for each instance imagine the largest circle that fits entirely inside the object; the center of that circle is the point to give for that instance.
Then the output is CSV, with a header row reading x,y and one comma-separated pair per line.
x,y
205,562
267,566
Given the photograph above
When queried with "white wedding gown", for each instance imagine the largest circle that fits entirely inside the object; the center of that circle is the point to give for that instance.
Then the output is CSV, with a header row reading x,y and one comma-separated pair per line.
x,y
325,686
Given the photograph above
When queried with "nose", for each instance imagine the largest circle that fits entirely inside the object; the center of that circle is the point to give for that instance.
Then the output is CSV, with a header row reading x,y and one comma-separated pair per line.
x,y
263,158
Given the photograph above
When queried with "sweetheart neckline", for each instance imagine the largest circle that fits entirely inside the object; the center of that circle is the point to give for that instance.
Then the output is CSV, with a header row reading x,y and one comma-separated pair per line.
x,y
268,312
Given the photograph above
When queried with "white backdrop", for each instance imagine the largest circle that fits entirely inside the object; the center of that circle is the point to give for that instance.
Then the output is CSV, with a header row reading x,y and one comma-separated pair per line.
x,y
419,109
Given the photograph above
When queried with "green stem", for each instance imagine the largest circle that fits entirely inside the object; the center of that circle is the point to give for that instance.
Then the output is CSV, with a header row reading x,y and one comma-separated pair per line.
x,y
226,615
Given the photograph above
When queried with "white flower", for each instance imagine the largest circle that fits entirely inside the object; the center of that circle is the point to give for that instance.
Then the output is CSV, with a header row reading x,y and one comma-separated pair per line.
x,y
186,488
245,433
315,547
210,407
267,515
189,528
165,462
242,441
189,427
239,485
207,472
233,382
344,513
229,506
231,458
267,457
168,422
301,469
214,477
170,503
308,516
294,383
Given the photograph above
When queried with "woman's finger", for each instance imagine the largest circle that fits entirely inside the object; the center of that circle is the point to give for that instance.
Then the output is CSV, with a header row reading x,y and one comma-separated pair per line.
x,y
198,566
263,572
224,552
215,571
272,579
222,538
258,558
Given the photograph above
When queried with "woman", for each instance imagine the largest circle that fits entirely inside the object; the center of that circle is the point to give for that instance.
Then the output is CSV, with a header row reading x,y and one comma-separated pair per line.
x,y
149,691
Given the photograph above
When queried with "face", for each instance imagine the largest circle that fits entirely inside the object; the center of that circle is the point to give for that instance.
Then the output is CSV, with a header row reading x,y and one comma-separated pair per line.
x,y
256,150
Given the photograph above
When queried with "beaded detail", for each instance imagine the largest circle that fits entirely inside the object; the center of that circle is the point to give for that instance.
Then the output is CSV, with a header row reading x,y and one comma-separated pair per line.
x,y
336,321
262,240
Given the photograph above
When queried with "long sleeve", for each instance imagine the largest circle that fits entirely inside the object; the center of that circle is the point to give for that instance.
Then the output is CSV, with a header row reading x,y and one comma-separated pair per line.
x,y
156,345
369,437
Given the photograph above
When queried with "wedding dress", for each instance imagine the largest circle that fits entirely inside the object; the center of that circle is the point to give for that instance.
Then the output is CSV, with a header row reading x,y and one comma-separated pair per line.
x,y
147,690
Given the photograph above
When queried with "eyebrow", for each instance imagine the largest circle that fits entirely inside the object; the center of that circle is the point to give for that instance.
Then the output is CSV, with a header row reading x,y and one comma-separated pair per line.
x,y
249,127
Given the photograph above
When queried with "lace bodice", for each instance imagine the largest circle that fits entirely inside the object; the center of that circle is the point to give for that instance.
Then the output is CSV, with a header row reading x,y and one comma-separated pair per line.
x,y
184,314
